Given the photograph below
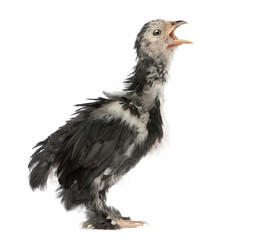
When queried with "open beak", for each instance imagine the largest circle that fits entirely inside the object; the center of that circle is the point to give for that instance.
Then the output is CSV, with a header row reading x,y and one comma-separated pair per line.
x,y
176,41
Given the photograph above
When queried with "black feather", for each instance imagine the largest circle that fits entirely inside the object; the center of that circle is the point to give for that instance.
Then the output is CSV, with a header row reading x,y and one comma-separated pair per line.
x,y
100,144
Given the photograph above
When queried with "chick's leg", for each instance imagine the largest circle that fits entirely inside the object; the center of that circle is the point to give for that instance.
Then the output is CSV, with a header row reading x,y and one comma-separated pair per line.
x,y
99,215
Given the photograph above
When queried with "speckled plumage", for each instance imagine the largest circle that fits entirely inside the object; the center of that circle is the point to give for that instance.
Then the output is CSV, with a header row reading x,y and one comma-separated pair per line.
x,y
108,136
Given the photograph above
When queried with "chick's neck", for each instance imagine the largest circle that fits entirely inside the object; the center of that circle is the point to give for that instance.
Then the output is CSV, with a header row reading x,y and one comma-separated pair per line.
x,y
146,84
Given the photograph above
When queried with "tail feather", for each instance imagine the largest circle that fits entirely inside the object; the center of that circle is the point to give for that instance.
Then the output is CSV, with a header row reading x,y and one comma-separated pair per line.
x,y
39,166
39,175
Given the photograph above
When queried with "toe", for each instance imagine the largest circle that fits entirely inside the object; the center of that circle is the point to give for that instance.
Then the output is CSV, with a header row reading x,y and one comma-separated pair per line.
x,y
130,224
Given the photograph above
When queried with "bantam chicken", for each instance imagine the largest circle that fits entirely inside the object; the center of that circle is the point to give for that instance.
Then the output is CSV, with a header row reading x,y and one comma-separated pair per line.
x,y
108,136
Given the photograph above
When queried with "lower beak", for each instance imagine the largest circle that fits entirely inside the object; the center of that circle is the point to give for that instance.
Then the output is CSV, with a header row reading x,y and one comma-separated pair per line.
x,y
180,41
174,26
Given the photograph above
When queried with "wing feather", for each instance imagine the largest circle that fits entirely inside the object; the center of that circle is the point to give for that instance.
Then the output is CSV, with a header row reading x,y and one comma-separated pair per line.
x,y
91,147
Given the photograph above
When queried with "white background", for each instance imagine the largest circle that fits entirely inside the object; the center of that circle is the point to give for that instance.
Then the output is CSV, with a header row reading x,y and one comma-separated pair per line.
x,y
54,54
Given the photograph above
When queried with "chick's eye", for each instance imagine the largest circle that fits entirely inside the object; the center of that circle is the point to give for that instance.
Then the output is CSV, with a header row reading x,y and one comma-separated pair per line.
x,y
157,32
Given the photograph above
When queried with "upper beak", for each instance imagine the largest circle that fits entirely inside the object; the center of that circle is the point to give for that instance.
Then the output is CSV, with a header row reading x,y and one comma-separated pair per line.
x,y
173,27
